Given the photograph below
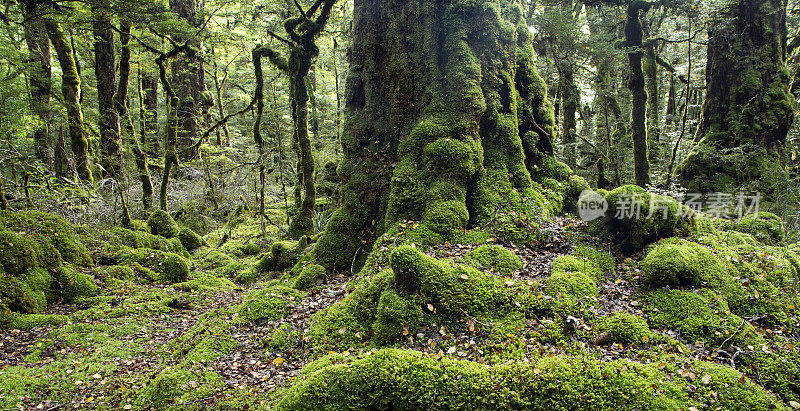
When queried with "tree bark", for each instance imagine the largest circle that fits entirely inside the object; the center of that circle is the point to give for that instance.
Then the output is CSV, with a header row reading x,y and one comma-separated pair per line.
x,y
41,87
70,88
149,138
636,84
570,97
105,71
748,109
121,107
445,117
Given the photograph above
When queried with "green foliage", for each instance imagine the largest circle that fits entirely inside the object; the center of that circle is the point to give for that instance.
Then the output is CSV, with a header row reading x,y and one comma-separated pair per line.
x,y
494,257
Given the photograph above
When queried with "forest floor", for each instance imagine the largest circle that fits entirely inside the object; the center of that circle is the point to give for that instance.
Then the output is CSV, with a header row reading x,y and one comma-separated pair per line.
x,y
191,345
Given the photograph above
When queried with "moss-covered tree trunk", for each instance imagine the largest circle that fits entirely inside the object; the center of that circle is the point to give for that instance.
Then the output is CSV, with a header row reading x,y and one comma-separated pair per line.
x,y
748,109
40,84
70,88
446,119
636,83
105,71
570,98
121,107
148,82
188,79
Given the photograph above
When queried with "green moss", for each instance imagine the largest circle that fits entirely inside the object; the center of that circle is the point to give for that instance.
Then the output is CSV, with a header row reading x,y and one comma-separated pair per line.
x,y
171,387
309,276
161,223
601,259
394,314
215,259
282,255
494,257
624,328
572,191
284,338
74,284
193,216
268,304
570,286
676,262
156,265
25,293
699,316
190,240
643,218
30,321
764,227
403,379
571,264
18,254
48,228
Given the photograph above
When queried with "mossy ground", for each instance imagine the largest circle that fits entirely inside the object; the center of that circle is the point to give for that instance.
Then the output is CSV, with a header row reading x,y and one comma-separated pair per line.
x,y
493,321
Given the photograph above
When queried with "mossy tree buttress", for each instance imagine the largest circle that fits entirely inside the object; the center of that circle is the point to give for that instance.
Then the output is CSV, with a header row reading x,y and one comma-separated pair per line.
x,y
748,108
446,120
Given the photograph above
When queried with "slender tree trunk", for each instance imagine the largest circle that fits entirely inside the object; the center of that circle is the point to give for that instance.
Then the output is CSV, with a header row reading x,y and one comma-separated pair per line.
x,y
259,96
570,97
121,106
105,71
41,87
70,88
170,149
148,82
671,100
653,101
636,83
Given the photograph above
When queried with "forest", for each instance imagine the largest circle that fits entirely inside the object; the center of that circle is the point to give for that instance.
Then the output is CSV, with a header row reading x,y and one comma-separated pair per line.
x,y
399,204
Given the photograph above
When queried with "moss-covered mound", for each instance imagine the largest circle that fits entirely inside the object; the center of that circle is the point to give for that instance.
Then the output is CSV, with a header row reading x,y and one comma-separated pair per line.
x,y
268,304
494,257
50,232
407,380
764,227
282,255
154,265
624,328
572,278
309,276
636,218
161,223
190,240
74,284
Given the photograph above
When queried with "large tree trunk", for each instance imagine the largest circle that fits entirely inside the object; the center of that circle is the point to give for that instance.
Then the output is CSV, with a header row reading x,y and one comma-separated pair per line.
x,y
446,118
105,71
748,109
70,88
40,89
188,80
633,42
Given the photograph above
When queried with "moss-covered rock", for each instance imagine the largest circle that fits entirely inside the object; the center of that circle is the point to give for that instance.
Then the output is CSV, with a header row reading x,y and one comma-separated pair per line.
x,y
154,265
161,223
636,218
572,191
573,264
624,328
25,293
702,315
677,262
394,314
570,286
764,227
309,276
282,255
49,231
74,284
494,257
190,240
404,379
601,259
17,253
